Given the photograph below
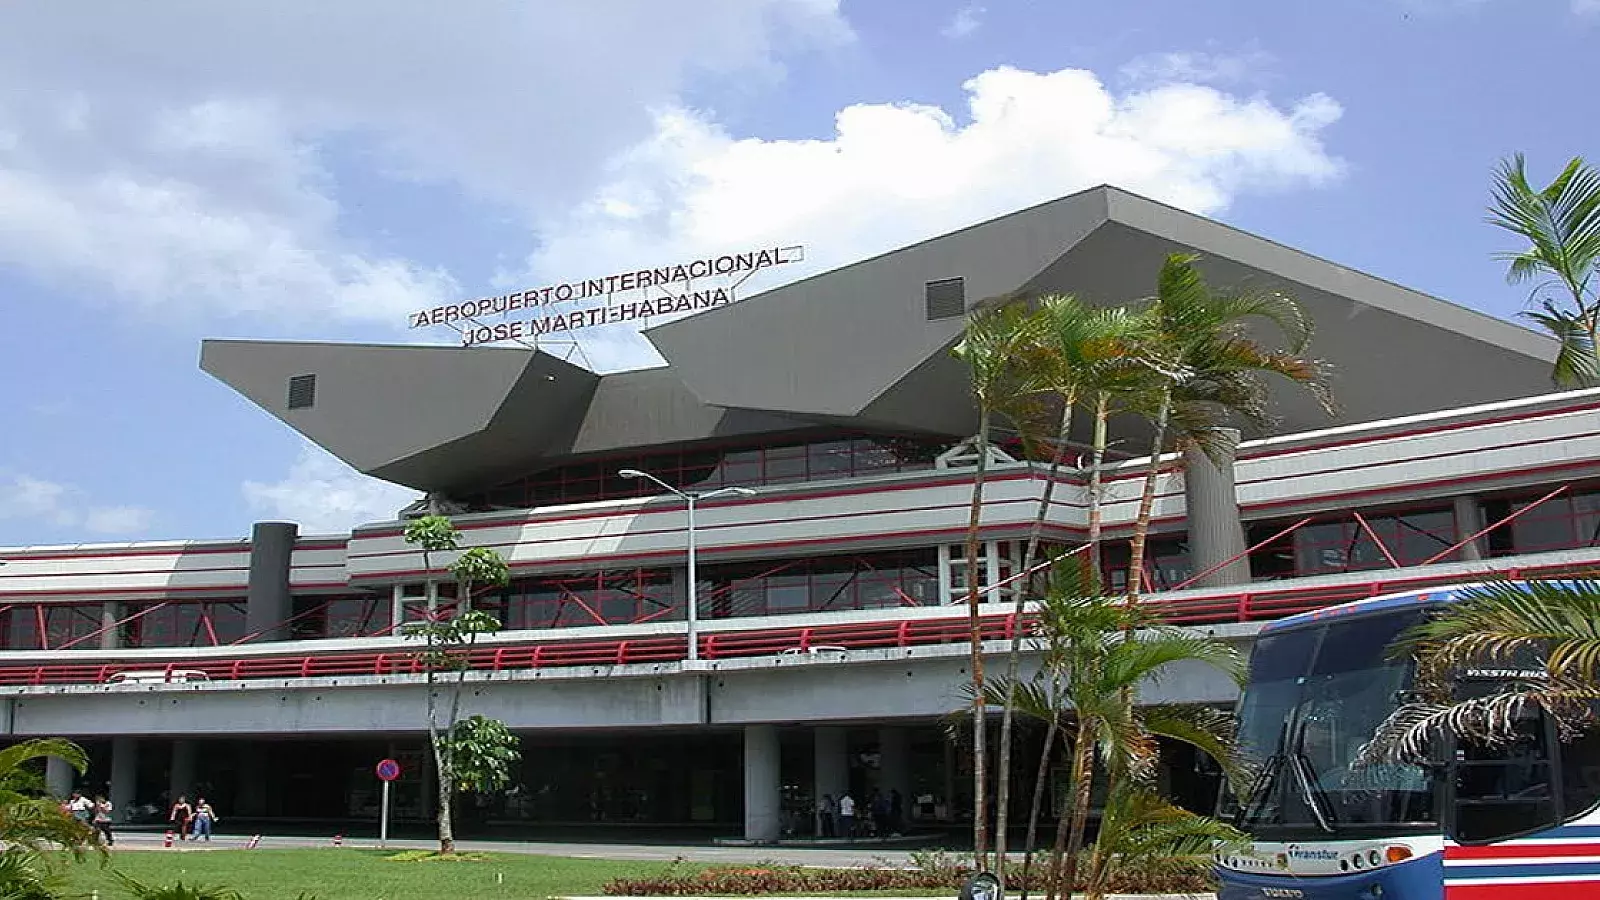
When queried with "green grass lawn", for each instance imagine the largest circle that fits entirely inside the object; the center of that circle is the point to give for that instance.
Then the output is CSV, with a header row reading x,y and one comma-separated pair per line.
x,y
356,874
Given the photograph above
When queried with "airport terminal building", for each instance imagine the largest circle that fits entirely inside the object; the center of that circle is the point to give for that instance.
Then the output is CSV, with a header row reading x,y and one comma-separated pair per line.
x,y
831,636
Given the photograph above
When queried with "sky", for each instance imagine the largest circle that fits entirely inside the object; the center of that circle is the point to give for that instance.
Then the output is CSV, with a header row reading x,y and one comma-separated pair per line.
x,y
183,169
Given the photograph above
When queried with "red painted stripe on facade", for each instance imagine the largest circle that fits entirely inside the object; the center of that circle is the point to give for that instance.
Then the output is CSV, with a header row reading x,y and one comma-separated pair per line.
x,y
1538,890
1460,425
1522,851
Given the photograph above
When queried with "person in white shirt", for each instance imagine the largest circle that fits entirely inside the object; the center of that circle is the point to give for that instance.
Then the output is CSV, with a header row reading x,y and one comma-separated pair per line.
x,y
847,815
80,807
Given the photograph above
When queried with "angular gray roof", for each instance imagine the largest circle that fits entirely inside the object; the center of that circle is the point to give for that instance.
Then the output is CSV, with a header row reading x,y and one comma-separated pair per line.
x,y
855,347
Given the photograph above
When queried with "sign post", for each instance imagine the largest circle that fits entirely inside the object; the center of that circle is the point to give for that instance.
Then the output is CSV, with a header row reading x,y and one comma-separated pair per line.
x,y
388,770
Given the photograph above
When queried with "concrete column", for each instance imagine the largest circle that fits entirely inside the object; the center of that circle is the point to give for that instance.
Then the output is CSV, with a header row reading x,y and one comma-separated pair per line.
x,y
894,766
1469,520
110,633
763,788
1215,532
831,765
124,775
180,775
268,601
58,776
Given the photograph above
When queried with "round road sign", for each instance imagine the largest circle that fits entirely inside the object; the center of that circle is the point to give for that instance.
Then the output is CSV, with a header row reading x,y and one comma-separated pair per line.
x,y
388,770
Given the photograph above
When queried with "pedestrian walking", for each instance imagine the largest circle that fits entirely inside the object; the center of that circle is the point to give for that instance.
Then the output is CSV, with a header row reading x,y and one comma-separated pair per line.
x,y
847,815
102,820
204,818
182,817
80,807
826,810
897,813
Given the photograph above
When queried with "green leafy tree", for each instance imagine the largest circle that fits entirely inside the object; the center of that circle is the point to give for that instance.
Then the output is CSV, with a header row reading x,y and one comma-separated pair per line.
x,y
994,337
1076,351
1561,225
1207,367
1111,649
1142,834
462,757
33,825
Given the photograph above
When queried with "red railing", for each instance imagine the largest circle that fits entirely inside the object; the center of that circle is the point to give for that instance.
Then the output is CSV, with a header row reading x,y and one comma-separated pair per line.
x,y
1253,603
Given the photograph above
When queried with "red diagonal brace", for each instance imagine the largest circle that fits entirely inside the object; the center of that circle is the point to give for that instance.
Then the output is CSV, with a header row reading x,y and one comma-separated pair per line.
x,y
120,622
1481,532
1238,556
1382,548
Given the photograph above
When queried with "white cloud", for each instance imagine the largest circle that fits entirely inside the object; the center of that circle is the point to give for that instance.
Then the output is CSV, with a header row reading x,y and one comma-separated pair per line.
x,y
174,155
1197,67
326,496
892,174
117,519
967,19
65,506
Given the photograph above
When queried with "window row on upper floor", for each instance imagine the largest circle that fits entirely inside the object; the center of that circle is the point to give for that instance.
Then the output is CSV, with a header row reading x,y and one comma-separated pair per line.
x,y
791,461
1345,541
1361,540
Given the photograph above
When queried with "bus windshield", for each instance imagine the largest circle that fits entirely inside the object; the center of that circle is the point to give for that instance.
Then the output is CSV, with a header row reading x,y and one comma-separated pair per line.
x,y
1315,695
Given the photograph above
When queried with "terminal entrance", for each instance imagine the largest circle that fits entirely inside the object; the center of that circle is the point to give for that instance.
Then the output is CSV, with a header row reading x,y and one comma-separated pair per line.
x,y
687,784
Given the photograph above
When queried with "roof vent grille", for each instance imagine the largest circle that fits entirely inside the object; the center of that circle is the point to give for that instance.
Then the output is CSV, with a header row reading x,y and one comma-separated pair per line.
x,y
302,391
946,299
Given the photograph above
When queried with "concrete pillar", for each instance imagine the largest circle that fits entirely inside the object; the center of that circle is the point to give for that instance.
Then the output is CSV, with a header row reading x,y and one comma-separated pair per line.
x,y
1215,533
763,789
110,632
830,767
894,766
124,775
268,601
58,776
180,775
1469,520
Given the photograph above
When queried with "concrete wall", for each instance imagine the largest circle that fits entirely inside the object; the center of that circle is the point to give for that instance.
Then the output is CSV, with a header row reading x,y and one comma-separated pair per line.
x,y
863,685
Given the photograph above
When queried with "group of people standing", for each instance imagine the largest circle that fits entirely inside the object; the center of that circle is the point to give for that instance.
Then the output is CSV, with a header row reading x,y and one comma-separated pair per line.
x,y
95,813
193,822
881,816
190,821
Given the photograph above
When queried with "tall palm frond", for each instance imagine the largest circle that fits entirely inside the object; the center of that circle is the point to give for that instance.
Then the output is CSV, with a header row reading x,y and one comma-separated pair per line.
x,y
1146,656
1211,731
1561,224
1556,622
1577,360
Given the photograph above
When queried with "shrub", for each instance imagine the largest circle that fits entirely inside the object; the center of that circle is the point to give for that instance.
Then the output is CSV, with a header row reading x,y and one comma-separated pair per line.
x,y
933,871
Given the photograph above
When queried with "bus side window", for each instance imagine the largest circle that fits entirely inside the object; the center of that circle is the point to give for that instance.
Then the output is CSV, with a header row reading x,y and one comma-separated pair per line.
x,y
1580,773
1505,790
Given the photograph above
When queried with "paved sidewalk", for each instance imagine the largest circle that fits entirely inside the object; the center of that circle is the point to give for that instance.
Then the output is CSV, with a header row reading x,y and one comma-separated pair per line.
x,y
789,856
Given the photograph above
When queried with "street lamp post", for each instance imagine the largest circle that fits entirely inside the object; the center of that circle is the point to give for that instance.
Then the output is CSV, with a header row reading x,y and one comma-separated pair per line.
x,y
690,498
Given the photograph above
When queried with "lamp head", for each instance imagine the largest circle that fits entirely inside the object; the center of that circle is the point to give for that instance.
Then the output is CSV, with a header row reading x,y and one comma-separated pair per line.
x,y
630,473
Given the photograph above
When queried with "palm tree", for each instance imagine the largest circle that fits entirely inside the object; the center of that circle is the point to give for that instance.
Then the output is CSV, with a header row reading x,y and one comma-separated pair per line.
x,y
1076,350
1502,624
1561,223
994,337
1142,833
31,825
1207,366
1110,649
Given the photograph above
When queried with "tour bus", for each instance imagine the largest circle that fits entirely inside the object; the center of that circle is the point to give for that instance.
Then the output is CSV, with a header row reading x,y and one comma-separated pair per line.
x,y
1518,821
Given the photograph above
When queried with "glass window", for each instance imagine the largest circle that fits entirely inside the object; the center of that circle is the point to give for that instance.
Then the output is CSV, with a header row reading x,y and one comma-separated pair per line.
x,y
1580,773
1505,790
